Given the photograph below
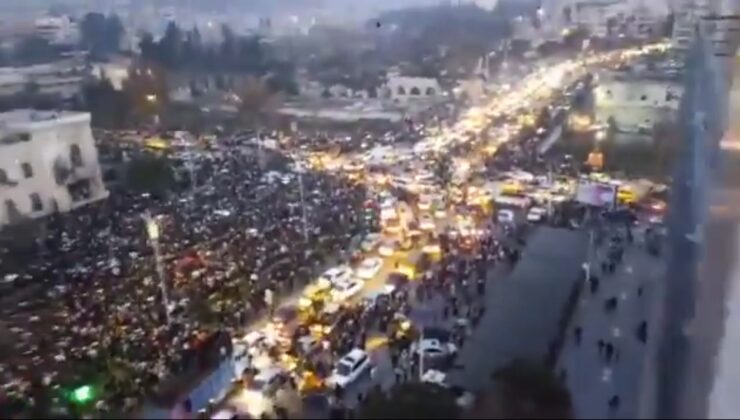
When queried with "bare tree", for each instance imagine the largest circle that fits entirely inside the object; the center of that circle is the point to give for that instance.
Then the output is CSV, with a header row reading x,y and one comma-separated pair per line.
x,y
257,103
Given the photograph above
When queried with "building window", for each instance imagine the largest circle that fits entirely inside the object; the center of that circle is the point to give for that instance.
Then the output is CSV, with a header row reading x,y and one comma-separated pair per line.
x,y
643,98
27,170
415,91
3,176
75,155
431,92
36,204
401,90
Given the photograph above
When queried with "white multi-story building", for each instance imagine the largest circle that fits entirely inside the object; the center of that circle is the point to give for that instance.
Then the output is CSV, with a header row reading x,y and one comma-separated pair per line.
x,y
636,103
63,78
48,163
57,30
404,89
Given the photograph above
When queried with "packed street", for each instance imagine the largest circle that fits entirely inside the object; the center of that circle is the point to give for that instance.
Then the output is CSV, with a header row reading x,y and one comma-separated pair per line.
x,y
362,269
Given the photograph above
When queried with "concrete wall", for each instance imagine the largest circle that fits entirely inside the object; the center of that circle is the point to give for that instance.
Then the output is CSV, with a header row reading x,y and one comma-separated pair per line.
x,y
50,142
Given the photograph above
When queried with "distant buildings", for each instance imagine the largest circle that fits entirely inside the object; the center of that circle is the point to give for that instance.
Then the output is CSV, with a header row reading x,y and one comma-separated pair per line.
x,y
62,78
604,18
57,30
687,15
48,163
402,89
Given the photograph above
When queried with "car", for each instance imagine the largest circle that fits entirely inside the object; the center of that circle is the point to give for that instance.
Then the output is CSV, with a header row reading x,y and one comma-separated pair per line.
x,y
371,242
440,212
536,214
225,414
369,267
268,381
349,368
340,274
426,222
387,248
505,216
345,290
425,203
434,348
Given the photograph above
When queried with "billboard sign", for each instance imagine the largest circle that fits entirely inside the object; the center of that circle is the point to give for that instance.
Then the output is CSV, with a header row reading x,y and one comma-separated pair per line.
x,y
596,194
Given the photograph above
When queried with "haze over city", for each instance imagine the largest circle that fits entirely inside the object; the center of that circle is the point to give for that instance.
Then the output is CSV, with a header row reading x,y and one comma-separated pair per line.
x,y
368,209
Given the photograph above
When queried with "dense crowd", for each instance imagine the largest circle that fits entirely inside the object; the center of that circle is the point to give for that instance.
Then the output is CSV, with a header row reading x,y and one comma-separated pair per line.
x,y
92,301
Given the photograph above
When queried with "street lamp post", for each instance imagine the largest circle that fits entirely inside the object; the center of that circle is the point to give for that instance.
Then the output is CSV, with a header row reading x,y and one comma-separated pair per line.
x,y
153,231
303,203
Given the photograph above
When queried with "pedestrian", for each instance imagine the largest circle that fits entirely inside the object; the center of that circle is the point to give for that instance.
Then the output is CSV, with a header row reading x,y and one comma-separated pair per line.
x,y
642,332
577,335
614,403
608,351
600,345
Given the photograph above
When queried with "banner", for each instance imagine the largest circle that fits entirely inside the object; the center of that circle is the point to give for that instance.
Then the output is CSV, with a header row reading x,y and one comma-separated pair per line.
x,y
596,194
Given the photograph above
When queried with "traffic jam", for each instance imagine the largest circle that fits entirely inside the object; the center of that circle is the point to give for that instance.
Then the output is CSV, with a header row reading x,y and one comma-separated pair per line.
x,y
447,209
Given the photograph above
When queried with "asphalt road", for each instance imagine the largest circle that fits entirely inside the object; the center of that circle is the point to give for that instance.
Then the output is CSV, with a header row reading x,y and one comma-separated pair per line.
x,y
591,380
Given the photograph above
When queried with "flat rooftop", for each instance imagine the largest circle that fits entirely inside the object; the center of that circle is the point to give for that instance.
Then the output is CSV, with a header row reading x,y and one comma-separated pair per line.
x,y
30,116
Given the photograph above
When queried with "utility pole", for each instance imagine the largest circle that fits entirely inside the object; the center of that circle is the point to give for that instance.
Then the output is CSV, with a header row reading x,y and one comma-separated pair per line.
x,y
303,203
153,231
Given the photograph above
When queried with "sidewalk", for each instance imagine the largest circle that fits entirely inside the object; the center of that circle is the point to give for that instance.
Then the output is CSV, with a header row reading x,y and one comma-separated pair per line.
x,y
592,380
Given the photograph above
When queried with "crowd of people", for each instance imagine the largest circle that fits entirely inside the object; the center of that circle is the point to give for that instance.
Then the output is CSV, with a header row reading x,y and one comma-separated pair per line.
x,y
92,300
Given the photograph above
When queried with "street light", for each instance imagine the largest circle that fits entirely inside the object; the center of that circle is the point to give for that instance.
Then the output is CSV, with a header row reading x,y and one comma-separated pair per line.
x,y
151,98
153,232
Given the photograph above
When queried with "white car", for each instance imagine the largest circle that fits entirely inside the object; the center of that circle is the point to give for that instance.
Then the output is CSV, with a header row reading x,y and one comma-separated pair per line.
x,y
369,267
340,274
370,242
440,212
426,222
425,203
350,368
432,347
345,290
505,216
387,248
536,214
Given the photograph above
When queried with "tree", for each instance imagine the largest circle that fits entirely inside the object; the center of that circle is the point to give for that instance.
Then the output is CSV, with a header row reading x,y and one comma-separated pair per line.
x,y
668,25
109,107
257,102
101,35
526,389
146,89
411,400
443,171
150,174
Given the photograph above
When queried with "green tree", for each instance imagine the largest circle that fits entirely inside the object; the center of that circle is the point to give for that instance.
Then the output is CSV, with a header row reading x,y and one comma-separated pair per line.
x,y
109,108
529,390
146,89
101,35
150,174
411,400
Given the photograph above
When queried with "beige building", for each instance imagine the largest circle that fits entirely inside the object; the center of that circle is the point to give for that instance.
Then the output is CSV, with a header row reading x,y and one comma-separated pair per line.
x,y
636,104
402,89
48,163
